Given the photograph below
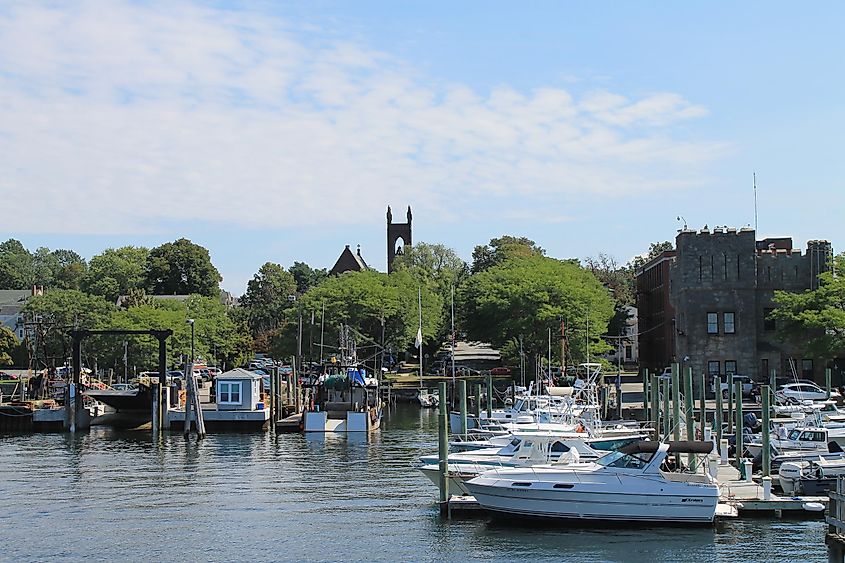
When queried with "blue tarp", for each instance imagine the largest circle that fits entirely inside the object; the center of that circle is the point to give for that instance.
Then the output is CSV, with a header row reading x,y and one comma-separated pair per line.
x,y
356,376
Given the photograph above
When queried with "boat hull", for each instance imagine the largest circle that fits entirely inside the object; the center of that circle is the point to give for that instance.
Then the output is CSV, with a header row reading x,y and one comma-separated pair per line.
x,y
589,502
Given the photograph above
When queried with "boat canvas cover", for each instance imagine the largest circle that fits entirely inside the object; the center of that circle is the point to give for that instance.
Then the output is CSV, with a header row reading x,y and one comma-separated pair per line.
x,y
679,447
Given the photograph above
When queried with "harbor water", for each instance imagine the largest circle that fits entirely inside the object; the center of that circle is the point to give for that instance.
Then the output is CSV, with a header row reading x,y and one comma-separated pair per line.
x,y
109,495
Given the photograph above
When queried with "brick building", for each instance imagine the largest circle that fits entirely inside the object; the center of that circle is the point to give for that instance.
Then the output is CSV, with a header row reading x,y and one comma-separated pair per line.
x,y
705,304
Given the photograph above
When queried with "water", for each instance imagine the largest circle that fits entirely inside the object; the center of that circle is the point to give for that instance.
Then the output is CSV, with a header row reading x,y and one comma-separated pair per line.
x,y
116,496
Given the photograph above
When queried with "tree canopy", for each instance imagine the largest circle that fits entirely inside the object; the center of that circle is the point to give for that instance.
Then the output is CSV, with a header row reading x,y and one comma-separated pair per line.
x,y
306,277
501,249
116,271
181,268
815,318
267,296
8,344
522,298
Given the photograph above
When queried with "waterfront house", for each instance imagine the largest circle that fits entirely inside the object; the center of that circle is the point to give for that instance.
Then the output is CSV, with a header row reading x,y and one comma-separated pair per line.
x,y
238,390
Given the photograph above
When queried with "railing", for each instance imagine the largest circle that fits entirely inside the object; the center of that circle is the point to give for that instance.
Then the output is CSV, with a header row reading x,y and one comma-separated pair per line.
x,y
835,519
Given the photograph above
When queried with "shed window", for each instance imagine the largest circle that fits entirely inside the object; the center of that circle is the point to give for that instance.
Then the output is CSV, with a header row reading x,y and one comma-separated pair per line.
x,y
229,392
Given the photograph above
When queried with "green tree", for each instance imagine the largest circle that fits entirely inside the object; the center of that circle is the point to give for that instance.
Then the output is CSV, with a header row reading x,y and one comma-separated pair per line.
x,y
654,250
15,266
115,271
182,268
306,277
8,345
522,298
69,268
815,319
268,295
369,301
63,309
501,249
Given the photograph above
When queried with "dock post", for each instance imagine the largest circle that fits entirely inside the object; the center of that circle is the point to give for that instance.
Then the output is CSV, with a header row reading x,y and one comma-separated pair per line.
x,y
827,383
689,419
489,395
738,433
296,393
443,448
273,387
462,388
655,404
666,425
646,401
767,453
773,380
189,397
717,418
730,402
477,406
702,404
154,388
676,408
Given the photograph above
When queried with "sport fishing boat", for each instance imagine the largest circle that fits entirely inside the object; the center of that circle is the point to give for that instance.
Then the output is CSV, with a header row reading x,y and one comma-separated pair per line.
x,y
630,485
520,451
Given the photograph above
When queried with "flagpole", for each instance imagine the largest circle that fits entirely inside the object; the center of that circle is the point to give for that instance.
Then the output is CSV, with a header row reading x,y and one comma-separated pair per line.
x,y
419,332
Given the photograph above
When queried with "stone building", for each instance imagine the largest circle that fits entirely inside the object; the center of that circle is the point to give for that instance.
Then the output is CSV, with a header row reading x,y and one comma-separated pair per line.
x,y
706,304
349,262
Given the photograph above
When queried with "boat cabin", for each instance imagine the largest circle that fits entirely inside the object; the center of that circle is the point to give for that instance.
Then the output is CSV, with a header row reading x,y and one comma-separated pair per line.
x,y
238,390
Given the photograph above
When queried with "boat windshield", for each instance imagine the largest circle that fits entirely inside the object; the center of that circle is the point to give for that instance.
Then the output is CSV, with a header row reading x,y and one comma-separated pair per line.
x,y
628,461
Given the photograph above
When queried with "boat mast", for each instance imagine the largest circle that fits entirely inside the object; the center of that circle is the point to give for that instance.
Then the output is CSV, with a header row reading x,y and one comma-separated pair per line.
x,y
453,339
419,333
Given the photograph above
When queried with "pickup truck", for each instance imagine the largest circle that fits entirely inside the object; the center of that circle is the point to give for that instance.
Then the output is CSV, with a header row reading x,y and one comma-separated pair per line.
x,y
749,386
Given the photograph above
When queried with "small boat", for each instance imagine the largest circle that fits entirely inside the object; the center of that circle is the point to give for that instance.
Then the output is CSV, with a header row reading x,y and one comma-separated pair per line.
x,y
811,477
628,486
428,400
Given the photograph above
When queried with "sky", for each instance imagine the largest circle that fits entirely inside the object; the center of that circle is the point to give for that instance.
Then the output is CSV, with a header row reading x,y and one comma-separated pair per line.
x,y
281,131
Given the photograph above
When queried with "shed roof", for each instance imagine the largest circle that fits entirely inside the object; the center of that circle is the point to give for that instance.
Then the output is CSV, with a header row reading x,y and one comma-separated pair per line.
x,y
239,373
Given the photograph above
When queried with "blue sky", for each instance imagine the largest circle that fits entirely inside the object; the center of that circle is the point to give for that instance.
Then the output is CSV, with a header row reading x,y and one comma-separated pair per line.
x,y
281,131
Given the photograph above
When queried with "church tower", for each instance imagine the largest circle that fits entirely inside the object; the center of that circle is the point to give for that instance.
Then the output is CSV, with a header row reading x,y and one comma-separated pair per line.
x,y
396,232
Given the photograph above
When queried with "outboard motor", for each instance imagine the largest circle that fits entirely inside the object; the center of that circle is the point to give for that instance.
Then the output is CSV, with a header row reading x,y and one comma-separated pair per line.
x,y
749,420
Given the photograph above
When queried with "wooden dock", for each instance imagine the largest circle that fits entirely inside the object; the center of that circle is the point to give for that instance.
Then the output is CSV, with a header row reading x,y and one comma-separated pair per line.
x,y
749,498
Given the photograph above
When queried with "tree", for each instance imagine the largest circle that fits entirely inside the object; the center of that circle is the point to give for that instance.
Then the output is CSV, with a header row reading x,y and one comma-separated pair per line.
x,y
267,296
815,319
372,302
521,299
8,345
15,266
654,250
63,309
501,249
116,271
306,277
181,268
69,268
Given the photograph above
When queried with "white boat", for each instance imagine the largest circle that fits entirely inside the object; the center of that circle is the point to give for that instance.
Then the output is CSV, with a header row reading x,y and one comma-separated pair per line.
x,y
619,486
520,451
428,400
812,477
803,439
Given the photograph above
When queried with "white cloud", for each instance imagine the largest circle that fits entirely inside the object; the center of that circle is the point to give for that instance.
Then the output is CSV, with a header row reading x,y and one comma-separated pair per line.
x,y
120,117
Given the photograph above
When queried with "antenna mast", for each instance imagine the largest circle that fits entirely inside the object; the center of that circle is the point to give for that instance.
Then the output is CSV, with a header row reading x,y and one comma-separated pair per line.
x,y
755,201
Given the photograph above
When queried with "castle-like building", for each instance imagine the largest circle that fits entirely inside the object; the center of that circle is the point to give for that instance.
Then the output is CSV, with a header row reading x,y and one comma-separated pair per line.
x,y
706,304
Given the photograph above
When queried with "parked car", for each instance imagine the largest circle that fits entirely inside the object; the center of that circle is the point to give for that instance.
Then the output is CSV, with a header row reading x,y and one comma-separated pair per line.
x,y
750,388
805,392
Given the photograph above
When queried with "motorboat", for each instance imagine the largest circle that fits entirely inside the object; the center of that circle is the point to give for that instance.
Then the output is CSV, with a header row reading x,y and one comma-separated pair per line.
x,y
812,477
633,485
802,439
522,450
428,400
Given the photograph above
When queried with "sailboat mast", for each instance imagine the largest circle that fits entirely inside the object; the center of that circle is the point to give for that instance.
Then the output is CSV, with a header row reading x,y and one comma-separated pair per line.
x,y
453,338
419,302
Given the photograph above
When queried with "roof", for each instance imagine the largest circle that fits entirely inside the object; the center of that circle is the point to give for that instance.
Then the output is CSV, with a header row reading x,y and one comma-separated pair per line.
x,y
238,373
349,262
122,298
14,297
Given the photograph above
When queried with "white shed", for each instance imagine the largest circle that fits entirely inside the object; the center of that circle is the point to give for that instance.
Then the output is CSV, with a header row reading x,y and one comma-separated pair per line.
x,y
238,390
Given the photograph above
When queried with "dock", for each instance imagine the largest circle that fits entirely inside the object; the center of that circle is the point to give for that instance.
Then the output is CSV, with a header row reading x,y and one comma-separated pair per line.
x,y
749,497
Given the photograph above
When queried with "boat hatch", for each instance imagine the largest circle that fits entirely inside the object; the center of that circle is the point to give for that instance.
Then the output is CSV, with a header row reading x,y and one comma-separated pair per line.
x,y
521,484
563,485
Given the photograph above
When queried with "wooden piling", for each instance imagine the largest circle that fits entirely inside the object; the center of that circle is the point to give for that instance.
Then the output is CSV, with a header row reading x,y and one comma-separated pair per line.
x,y
443,446
489,395
646,401
730,402
676,408
155,389
666,425
462,389
773,379
767,453
655,404
477,405
690,414
702,405
717,418
738,432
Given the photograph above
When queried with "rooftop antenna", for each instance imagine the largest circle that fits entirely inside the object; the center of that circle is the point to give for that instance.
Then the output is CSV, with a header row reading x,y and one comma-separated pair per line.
x,y
755,201
681,218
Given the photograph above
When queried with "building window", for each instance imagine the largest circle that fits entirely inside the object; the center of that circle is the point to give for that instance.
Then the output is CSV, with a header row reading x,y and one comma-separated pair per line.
x,y
629,353
730,366
229,392
807,369
712,323
730,327
769,324
713,367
